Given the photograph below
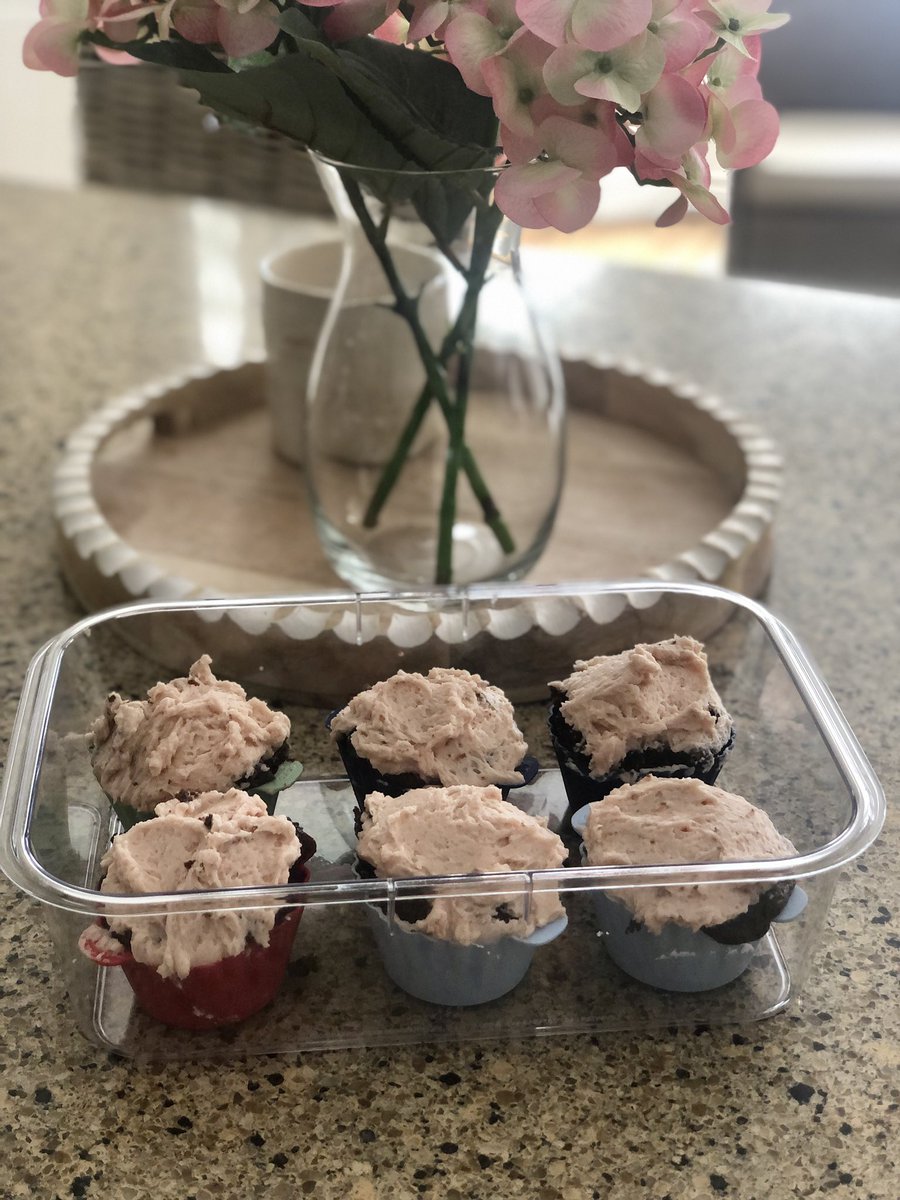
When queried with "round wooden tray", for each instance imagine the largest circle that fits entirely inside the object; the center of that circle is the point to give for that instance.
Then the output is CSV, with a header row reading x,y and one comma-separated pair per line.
x,y
175,492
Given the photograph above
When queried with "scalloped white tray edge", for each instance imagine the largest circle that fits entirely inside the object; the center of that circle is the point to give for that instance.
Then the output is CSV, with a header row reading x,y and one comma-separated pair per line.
x,y
735,553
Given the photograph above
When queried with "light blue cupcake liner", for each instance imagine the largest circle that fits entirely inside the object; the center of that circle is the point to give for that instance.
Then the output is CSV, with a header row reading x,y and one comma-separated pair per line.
x,y
443,972
676,959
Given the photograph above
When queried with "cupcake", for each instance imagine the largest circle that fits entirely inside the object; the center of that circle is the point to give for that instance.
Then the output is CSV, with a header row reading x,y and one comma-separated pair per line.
x,y
201,970
649,710
458,950
445,728
191,735
694,936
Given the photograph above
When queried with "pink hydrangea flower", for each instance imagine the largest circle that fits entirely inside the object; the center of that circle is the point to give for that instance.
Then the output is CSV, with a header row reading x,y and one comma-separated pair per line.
x,y
515,81
592,24
681,32
578,86
674,120
554,179
621,75
735,20
743,124
53,44
355,18
395,29
745,134
473,37
596,115
730,73
431,18
240,27
692,180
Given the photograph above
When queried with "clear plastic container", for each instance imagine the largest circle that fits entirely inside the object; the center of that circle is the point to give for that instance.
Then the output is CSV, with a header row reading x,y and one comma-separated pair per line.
x,y
794,757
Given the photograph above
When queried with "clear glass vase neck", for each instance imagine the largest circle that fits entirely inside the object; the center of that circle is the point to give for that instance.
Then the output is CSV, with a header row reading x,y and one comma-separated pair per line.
x,y
434,407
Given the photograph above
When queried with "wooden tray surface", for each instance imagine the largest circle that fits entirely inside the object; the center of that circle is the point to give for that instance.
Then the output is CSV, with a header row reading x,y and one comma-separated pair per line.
x,y
175,493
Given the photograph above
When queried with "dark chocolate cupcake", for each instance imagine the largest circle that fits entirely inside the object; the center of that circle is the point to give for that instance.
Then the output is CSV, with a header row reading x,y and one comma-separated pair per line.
x,y
191,735
444,728
649,710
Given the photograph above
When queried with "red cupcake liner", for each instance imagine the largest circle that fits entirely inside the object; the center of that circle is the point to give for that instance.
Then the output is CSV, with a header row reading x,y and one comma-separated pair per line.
x,y
217,994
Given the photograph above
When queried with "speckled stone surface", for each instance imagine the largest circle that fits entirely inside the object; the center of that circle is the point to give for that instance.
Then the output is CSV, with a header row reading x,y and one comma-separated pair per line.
x,y
102,291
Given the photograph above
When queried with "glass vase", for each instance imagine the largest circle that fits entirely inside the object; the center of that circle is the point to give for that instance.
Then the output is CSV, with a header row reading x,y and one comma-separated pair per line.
x,y
435,407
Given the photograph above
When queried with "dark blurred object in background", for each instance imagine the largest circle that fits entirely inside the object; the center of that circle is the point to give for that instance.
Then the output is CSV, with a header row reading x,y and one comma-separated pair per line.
x,y
140,129
824,208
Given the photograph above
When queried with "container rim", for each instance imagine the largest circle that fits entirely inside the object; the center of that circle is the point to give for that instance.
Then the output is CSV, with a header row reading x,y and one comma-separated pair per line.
x,y
20,864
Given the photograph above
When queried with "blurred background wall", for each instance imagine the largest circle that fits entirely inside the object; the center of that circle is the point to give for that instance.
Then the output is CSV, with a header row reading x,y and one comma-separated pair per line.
x,y
824,208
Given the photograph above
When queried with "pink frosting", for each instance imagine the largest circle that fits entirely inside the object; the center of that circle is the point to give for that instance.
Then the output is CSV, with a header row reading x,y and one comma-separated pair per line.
x,y
462,830
449,726
681,821
195,734
651,695
217,840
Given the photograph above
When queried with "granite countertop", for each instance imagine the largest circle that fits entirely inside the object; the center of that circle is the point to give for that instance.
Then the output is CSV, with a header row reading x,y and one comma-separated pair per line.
x,y
99,289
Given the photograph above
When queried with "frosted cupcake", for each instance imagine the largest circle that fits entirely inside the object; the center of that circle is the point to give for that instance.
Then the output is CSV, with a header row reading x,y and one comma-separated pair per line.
x,y
649,710
199,970
191,735
459,950
445,728
694,936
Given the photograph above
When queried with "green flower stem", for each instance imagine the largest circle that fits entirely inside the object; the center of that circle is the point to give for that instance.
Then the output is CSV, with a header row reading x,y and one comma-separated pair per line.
x,y
394,465
459,338
407,306
485,229
444,566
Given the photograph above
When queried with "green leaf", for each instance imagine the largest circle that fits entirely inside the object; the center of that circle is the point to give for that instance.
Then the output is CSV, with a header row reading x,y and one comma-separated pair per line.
x,y
326,100
297,97
176,55
418,103
287,774
421,107
368,103
433,91
260,59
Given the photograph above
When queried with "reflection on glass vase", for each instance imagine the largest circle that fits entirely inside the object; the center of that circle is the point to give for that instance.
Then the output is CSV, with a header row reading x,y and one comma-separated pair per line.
x,y
435,409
